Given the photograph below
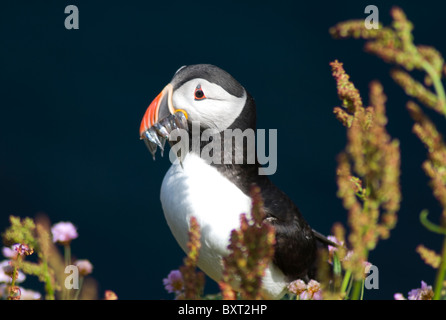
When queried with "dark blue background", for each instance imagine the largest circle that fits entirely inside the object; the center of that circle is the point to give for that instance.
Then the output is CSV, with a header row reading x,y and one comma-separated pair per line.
x,y
72,101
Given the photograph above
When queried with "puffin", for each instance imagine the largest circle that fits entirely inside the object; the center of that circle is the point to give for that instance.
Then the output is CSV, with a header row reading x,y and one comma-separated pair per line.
x,y
217,193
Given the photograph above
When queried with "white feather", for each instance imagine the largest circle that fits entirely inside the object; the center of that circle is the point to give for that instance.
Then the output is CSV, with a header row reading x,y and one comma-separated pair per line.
x,y
198,189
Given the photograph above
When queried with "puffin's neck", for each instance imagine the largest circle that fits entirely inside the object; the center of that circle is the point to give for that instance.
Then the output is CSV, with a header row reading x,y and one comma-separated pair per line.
x,y
234,146
239,166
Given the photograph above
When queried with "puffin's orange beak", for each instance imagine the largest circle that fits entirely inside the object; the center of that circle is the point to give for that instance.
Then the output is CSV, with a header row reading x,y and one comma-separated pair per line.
x,y
160,108
160,119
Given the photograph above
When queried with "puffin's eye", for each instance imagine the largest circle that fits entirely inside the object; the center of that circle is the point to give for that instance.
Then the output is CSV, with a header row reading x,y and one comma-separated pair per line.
x,y
199,94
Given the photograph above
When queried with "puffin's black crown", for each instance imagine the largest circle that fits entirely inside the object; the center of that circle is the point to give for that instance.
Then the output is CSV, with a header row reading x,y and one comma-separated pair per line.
x,y
210,73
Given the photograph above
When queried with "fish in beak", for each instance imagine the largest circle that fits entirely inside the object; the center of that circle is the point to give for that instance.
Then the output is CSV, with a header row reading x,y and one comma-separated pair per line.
x,y
160,119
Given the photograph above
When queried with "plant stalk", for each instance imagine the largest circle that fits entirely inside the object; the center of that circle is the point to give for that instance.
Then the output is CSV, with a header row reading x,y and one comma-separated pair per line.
x,y
441,274
438,85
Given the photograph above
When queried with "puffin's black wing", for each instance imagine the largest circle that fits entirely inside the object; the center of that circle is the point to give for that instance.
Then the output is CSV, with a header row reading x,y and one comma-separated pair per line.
x,y
323,240
296,248
297,243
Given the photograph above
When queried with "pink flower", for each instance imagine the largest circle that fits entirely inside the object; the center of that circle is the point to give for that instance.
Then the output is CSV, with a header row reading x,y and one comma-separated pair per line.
x,y
9,253
297,287
313,286
310,291
423,293
22,249
6,271
399,296
64,232
174,282
110,295
367,266
332,249
317,295
29,294
305,295
84,266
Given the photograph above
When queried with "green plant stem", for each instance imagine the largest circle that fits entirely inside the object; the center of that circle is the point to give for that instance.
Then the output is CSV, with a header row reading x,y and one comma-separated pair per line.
x,y
14,272
81,281
439,89
358,285
441,274
337,267
362,289
346,281
67,254
429,225
438,85
357,293
48,285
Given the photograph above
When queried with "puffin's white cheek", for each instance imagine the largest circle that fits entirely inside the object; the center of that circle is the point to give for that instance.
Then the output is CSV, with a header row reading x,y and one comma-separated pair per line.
x,y
217,111
217,114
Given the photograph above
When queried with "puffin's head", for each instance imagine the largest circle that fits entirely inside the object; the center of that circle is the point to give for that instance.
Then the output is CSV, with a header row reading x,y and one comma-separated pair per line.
x,y
204,93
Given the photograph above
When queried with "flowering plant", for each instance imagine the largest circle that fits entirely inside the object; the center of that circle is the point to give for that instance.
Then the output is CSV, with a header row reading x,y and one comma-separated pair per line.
x,y
395,45
35,239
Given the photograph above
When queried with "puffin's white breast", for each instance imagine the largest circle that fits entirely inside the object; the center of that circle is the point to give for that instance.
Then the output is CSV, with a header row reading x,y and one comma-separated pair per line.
x,y
198,189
